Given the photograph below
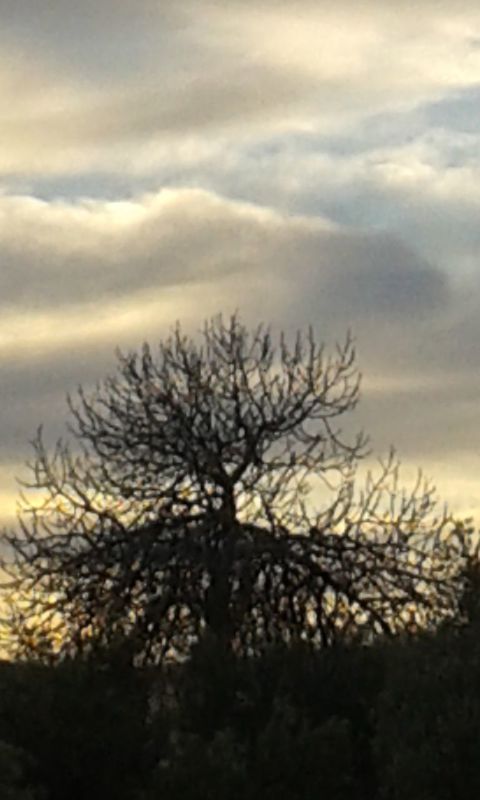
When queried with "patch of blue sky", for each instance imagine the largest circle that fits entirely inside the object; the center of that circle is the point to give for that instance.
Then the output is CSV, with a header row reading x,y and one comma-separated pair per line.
x,y
96,185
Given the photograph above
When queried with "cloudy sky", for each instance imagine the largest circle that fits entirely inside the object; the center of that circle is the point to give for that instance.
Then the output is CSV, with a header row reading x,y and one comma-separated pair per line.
x,y
304,162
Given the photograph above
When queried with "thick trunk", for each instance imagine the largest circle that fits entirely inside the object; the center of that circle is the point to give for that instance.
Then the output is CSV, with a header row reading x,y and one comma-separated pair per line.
x,y
218,612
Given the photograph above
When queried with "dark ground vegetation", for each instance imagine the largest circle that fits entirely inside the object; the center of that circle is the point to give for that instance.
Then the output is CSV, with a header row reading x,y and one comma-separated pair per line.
x,y
391,720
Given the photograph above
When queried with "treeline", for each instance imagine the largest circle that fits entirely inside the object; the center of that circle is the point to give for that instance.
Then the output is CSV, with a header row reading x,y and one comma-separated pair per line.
x,y
399,719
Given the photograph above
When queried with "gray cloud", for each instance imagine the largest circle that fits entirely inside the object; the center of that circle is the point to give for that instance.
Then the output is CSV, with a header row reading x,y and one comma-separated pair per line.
x,y
60,254
220,255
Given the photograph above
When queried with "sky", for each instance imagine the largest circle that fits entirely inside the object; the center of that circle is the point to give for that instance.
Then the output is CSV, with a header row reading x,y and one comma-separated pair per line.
x,y
302,162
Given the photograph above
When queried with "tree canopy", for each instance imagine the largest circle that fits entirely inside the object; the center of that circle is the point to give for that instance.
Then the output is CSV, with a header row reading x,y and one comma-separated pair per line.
x,y
208,489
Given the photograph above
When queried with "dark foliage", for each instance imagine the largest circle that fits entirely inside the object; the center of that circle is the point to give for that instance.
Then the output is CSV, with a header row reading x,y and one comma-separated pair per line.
x,y
82,726
288,725
393,720
430,707
15,770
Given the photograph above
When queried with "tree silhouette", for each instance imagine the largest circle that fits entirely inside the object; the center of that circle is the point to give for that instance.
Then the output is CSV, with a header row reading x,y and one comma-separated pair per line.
x,y
210,491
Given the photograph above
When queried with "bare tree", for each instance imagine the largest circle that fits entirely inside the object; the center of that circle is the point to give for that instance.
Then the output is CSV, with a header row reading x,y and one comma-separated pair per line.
x,y
210,490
